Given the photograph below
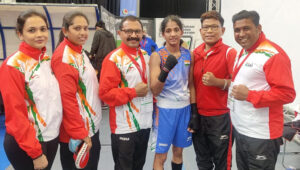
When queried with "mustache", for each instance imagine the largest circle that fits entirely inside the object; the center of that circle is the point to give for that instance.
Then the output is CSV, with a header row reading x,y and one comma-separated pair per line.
x,y
133,38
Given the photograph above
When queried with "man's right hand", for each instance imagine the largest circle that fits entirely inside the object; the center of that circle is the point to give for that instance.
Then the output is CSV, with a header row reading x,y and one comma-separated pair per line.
x,y
209,79
141,89
40,162
240,92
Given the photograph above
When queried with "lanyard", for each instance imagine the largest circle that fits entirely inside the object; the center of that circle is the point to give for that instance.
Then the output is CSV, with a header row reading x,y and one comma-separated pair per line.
x,y
238,66
142,70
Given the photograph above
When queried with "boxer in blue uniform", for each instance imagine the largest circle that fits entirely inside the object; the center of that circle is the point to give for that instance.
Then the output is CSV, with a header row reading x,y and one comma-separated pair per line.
x,y
172,84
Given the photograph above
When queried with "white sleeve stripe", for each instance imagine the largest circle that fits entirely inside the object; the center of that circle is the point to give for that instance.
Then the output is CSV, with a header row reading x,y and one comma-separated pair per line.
x,y
228,51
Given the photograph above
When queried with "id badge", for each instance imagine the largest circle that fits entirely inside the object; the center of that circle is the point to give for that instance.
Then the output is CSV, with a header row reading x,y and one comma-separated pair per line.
x,y
230,99
147,103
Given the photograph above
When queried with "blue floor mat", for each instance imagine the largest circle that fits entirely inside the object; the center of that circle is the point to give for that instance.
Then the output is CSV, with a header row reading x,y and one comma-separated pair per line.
x,y
4,163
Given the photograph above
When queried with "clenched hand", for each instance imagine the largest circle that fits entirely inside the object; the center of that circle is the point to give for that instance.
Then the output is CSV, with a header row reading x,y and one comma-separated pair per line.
x,y
40,162
209,79
141,89
240,92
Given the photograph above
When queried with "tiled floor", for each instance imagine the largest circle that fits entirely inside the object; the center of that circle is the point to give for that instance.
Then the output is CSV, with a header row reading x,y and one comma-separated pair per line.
x,y
106,161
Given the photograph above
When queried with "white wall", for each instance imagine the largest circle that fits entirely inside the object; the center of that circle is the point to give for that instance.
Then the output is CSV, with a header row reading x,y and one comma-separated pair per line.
x,y
280,20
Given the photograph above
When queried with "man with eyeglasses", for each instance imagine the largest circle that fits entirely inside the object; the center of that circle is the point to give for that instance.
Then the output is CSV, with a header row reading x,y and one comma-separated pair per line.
x,y
212,73
261,83
124,87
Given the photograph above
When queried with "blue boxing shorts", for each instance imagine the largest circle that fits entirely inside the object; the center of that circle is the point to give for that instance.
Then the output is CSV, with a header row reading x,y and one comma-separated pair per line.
x,y
172,128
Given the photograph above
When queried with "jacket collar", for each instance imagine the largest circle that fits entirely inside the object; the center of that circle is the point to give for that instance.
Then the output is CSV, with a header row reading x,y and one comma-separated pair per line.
x,y
214,49
77,48
31,51
261,38
130,50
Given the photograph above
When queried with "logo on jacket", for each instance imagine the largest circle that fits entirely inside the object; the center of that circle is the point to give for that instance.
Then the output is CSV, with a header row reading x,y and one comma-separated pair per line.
x,y
34,76
249,64
130,68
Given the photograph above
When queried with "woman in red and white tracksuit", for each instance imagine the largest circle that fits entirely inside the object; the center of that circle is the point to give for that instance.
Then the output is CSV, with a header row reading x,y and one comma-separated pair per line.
x,y
79,88
30,91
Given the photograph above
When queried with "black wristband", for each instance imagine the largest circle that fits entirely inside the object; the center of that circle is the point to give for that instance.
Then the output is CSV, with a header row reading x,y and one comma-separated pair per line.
x,y
194,108
194,122
163,76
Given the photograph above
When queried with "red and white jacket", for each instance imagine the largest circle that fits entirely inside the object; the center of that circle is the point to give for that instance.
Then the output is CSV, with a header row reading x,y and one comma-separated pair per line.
x,y
267,73
128,113
33,110
79,88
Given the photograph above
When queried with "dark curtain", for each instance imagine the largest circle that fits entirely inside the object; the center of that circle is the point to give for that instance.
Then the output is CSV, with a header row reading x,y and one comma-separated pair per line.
x,y
162,8
112,6
148,8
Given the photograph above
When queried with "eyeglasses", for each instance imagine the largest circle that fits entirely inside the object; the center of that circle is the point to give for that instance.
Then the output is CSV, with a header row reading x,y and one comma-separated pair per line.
x,y
212,27
131,31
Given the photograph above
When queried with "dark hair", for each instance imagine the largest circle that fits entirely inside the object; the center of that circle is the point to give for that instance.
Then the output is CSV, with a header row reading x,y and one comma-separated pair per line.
x,y
68,21
129,18
69,17
212,15
24,16
61,37
244,14
174,18
101,24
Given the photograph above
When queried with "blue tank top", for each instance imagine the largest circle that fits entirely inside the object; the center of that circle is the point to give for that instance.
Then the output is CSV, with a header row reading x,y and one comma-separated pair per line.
x,y
175,93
